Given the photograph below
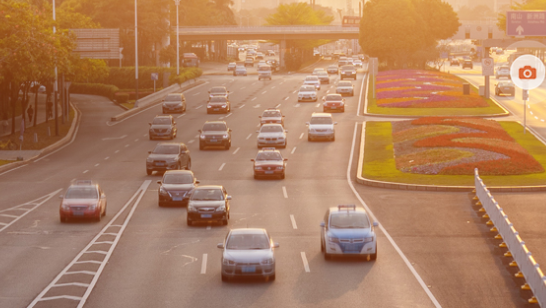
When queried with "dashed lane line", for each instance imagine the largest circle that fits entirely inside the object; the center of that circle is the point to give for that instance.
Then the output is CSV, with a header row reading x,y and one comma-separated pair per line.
x,y
286,98
204,264
126,145
96,165
301,136
136,140
254,100
86,171
229,114
237,150
180,115
198,106
248,137
278,105
197,93
273,87
191,141
317,105
221,167
264,92
107,157
305,263
117,151
284,192
241,106
293,150
297,105
24,207
293,220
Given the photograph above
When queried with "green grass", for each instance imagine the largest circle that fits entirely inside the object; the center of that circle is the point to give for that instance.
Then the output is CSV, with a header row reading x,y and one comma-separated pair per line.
x,y
379,161
129,104
5,162
491,109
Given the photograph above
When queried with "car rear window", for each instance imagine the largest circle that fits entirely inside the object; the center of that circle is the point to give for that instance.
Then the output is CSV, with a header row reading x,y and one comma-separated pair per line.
x,y
349,220
218,90
219,127
268,156
82,193
307,88
321,120
166,149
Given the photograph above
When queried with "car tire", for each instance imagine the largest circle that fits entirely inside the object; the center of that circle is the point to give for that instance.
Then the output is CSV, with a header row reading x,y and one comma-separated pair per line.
x,y
189,222
353,93
225,222
334,138
97,219
324,109
322,246
271,277
163,111
63,220
309,138
201,146
228,146
373,256
225,278
150,137
104,213
149,172
255,177
282,176
161,204
327,256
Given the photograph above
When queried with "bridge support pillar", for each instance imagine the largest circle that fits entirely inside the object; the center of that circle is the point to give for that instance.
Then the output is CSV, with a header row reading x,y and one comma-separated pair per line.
x,y
282,53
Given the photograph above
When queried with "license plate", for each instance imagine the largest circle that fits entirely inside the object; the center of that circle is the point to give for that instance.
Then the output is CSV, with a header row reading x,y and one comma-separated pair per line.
x,y
159,164
269,172
347,73
248,269
216,109
77,213
333,107
213,140
206,215
177,198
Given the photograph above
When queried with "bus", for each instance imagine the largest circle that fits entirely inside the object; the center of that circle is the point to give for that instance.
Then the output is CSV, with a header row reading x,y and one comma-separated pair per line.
x,y
350,21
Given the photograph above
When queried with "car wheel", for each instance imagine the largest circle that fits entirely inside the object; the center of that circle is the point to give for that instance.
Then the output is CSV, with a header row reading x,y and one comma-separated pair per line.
x,y
150,137
228,146
188,165
322,246
225,222
308,138
374,256
97,219
255,177
161,204
104,213
327,256
353,93
324,109
282,176
334,138
149,172
225,278
201,146
179,166
63,219
163,111
271,277
189,222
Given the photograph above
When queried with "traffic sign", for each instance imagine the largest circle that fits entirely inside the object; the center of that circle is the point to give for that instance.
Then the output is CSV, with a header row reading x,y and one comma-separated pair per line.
x,y
488,67
155,76
526,23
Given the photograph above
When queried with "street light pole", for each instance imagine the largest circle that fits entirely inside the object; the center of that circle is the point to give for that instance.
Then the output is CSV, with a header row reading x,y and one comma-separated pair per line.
x,y
177,2
55,82
136,55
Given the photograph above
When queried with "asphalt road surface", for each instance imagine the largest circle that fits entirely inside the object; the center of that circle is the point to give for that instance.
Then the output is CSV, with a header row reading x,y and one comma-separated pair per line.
x,y
433,248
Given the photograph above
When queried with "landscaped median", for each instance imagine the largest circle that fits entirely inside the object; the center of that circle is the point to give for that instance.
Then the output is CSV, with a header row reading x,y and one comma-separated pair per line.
x,y
420,93
438,151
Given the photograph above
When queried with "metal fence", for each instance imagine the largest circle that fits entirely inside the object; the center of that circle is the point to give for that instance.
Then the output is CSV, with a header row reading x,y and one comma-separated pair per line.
x,y
531,271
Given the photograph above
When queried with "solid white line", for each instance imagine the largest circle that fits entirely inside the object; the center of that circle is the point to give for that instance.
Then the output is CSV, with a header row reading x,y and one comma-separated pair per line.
x,y
180,115
89,261
284,192
197,93
241,106
305,263
301,136
204,264
293,221
10,216
80,272
317,105
126,145
14,169
235,152
76,298
96,165
106,158
387,235
293,150
76,284
136,140
229,114
248,137
221,167
86,171
273,87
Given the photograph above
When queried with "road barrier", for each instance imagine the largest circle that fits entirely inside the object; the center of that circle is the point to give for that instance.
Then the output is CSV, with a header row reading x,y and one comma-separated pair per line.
x,y
529,268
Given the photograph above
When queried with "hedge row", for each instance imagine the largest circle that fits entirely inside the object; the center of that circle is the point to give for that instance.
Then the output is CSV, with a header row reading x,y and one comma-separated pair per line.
x,y
105,90
185,75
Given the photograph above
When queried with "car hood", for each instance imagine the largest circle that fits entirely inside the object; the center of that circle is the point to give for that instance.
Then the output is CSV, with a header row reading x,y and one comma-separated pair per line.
x,y
321,126
270,135
248,256
160,126
76,202
307,92
313,82
211,132
268,163
344,87
350,233
172,103
162,156
185,187
212,204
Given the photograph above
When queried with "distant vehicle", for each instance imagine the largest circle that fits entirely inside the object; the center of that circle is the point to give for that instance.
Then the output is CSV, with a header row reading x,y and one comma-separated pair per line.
x,y
342,61
347,71
332,69
270,53
345,88
323,77
272,115
505,88
218,91
215,133
190,60
83,199
307,93
168,156
269,163
231,66
454,62
174,102
249,61
499,51
264,72
312,80
333,102
317,70
348,230
251,52
350,21
503,71
357,63
208,203
240,70
272,135
248,253
175,187
321,126
162,127
260,56
467,64
273,63
218,104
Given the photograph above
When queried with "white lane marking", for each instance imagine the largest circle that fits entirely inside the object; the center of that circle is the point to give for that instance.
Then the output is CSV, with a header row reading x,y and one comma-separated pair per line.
x,y
530,112
284,192
220,118
136,140
301,136
197,93
286,98
541,120
228,114
140,193
248,137
191,141
281,82
295,91
237,150
145,135
387,235
204,264
241,106
264,92
221,167
180,115
273,87
242,88
278,105
305,263
126,145
297,105
293,150
198,106
294,226
327,91
254,99
258,125
317,105
86,171
536,117
114,138
35,204
117,151
209,228
360,97
96,165
107,157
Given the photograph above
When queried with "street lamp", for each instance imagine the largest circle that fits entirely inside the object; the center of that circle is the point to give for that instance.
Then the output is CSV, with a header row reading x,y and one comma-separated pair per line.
x,y
55,83
136,55
177,2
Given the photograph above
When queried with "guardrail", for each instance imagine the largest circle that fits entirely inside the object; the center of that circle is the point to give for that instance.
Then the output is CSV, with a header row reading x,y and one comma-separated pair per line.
x,y
529,268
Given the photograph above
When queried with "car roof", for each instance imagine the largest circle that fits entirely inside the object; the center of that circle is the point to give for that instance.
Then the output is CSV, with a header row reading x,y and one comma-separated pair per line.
x,y
248,231
217,122
208,187
178,172
272,124
343,208
163,116
321,114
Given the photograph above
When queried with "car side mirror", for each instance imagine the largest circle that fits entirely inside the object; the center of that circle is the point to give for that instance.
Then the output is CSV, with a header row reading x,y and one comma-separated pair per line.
x,y
228,197
150,124
159,182
306,123
286,131
199,130
149,152
275,245
174,123
252,159
375,224
322,224
229,130
335,123
220,245
197,181
259,116
286,159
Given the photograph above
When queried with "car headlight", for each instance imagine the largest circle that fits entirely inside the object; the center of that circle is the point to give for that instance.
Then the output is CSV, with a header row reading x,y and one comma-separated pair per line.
x,y
268,261
368,239
225,136
228,262
172,160
221,208
168,130
202,136
333,239
224,105
162,191
258,168
279,167
92,207
191,208
65,207
281,138
261,138
149,160
209,106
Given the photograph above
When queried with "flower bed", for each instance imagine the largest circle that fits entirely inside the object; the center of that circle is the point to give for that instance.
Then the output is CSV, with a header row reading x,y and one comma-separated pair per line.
x,y
455,146
423,89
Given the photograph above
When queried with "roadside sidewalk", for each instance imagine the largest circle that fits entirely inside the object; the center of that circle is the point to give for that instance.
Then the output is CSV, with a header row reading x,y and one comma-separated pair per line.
x,y
5,125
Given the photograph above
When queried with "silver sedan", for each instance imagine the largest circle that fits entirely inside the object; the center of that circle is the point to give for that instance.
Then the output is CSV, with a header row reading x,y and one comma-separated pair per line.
x,y
248,252
272,135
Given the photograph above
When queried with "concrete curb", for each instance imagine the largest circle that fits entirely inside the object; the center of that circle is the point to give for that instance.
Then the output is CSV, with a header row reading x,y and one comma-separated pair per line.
x,y
53,147
157,98
414,187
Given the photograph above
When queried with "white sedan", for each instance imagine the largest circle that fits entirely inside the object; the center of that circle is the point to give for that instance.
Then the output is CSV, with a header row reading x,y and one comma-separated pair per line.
x,y
313,81
307,93
272,135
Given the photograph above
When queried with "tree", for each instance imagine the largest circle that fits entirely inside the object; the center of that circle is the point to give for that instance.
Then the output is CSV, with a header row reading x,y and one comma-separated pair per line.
x,y
529,5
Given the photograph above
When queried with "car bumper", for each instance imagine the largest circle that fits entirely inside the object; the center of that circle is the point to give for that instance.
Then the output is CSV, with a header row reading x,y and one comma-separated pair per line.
x,y
339,107
80,214
219,142
348,249
321,135
248,271
309,99
160,135
167,166
271,143
173,200
196,216
217,109
173,109
266,173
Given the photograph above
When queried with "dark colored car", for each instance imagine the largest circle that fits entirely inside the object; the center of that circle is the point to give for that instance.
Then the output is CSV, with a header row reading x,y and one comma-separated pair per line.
x,y
208,203
231,66
218,104
168,156
454,62
333,102
215,133
323,77
175,187
162,127
83,199
269,163
467,63
240,71
347,71
505,88
175,102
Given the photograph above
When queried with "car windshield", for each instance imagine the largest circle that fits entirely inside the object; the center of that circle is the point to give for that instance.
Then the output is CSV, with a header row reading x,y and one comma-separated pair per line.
x,y
162,121
218,90
264,68
214,127
271,129
166,149
333,97
323,74
271,114
349,220
268,156
344,84
333,67
184,178
89,192
321,120
207,195
218,99
505,84
348,68
173,98
307,88
247,241
311,78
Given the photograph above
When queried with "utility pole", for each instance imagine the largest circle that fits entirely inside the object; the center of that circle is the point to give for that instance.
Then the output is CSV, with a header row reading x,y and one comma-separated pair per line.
x,y
55,84
177,2
136,55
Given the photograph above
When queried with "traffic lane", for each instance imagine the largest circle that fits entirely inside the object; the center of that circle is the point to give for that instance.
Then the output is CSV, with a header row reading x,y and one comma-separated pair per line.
x,y
526,212
35,249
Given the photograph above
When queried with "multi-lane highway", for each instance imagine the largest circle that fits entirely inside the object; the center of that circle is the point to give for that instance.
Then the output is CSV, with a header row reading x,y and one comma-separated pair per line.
x,y
433,249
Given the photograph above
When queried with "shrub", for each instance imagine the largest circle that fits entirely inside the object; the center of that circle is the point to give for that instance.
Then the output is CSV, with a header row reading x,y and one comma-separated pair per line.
x,y
185,75
105,90
122,98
